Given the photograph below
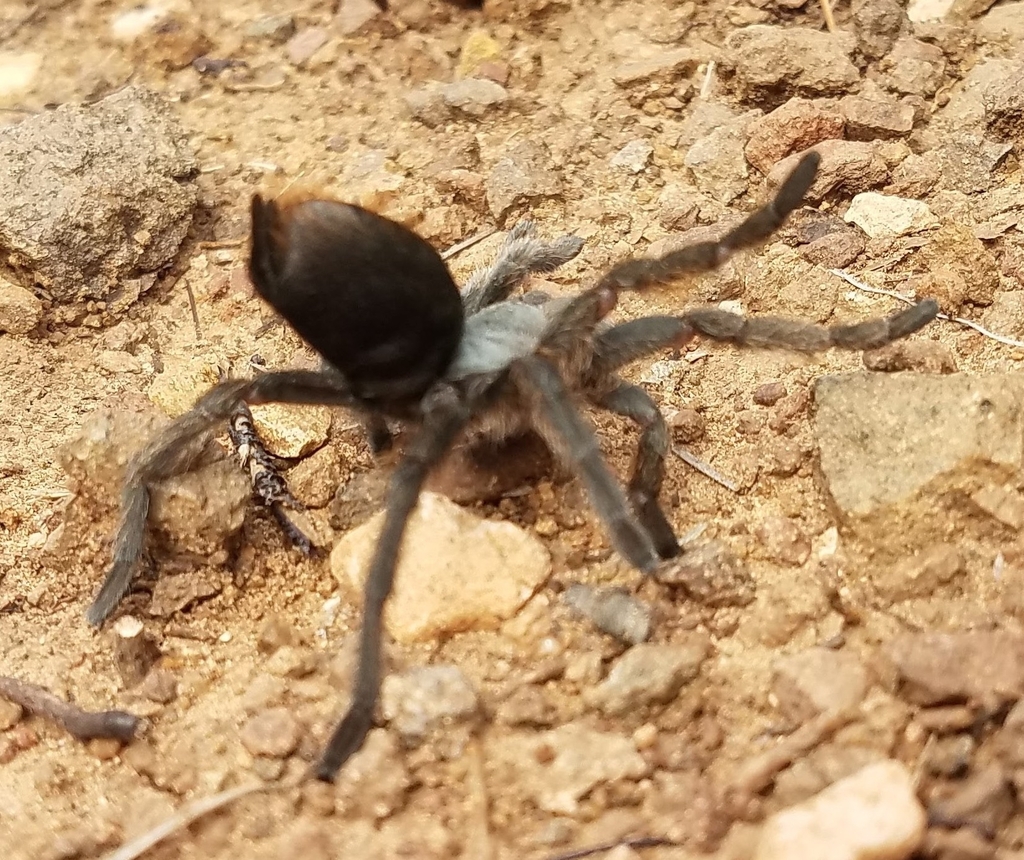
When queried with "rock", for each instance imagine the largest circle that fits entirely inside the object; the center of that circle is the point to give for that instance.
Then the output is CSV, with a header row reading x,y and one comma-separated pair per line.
x,y
375,780
435,104
275,28
521,176
300,48
956,434
925,356
423,700
159,686
768,393
183,381
982,666
817,681
353,15
649,674
273,733
1003,24
558,767
180,591
872,815
921,11
290,430
633,157
882,215
667,67
86,221
20,311
612,610
847,167
195,513
175,42
955,249
687,424
984,801
1002,504
10,714
836,250
793,127
878,24
474,96
873,119
18,73
479,49
678,207
967,161
457,572
781,540
913,67
920,575
915,176
717,160
712,575
785,283
1004,106
949,756
775,62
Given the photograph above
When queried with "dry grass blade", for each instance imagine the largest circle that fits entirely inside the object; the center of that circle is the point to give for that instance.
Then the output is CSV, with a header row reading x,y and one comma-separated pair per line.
x,y
184,817
878,291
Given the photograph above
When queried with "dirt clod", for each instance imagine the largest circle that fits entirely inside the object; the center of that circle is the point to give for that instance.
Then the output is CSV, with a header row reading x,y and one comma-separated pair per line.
x,y
88,221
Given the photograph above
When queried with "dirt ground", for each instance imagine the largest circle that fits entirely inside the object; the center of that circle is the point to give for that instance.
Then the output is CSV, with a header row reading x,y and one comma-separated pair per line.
x,y
340,118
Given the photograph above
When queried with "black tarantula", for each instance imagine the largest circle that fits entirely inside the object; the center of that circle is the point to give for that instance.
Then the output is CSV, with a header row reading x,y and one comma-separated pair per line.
x,y
398,340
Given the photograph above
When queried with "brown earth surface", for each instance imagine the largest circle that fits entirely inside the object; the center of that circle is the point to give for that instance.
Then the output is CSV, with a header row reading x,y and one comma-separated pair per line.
x,y
626,123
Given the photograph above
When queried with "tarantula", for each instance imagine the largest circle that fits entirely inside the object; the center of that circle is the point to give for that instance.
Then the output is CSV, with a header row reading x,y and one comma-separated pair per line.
x,y
398,340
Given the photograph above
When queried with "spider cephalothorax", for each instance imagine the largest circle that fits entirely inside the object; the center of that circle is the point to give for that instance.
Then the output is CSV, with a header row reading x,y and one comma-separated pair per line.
x,y
399,340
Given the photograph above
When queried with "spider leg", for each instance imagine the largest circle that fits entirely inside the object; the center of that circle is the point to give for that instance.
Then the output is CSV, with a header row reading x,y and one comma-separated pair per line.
x,y
627,342
703,256
538,379
444,416
767,332
648,473
378,435
520,255
178,447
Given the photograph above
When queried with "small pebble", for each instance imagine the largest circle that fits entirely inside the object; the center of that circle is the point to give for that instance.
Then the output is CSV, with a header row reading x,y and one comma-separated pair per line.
x,y
301,47
421,700
612,610
160,686
273,733
872,815
10,714
769,393
20,310
651,674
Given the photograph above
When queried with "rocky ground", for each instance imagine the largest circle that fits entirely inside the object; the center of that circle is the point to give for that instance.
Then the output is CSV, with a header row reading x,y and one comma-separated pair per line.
x,y
837,670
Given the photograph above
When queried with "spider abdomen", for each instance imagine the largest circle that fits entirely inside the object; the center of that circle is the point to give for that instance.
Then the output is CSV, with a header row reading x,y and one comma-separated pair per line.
x,y
372,297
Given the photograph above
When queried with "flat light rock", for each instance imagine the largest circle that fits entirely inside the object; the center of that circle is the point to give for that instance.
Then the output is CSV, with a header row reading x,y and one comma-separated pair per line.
x,y
872,815
456,571
884,215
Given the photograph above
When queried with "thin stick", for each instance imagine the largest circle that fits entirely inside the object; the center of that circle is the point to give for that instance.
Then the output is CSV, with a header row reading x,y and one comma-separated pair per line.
x,y
458,247
826,9
867,288
194,309
631,842
704,468
82,724
185,816
758,773
709,80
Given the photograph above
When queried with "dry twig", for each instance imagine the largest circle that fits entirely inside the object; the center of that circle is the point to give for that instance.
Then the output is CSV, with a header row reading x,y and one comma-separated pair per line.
x,y
867,288
704,468
82,724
